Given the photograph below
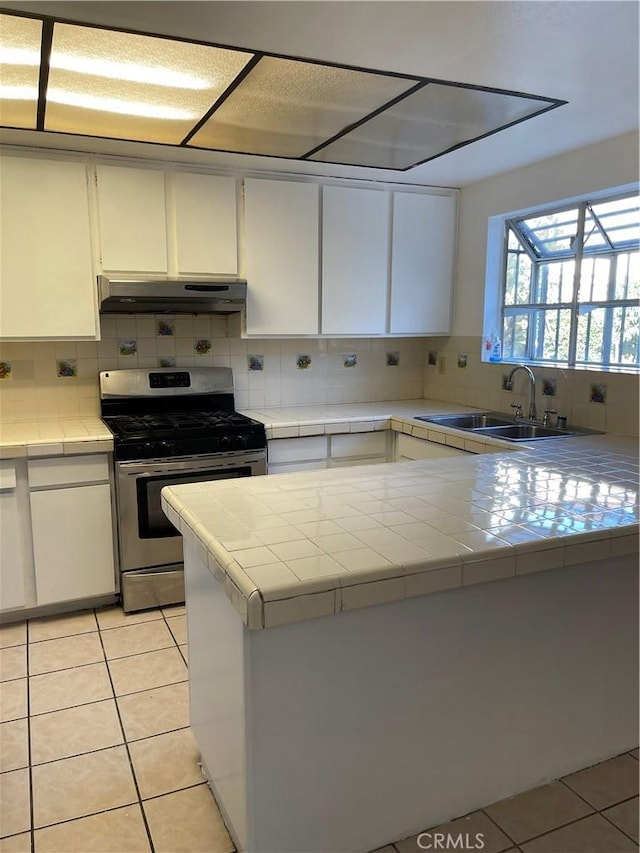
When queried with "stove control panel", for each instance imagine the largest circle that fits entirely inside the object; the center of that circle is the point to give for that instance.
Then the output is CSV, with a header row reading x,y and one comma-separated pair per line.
x,y
179,379
253,439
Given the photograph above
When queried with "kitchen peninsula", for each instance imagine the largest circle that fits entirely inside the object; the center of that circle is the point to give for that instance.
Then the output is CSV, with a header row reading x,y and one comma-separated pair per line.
x,y
374,650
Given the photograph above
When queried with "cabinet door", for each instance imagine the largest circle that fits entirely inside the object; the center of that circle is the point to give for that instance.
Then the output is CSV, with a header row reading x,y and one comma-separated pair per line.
x,y
355,253
73,543
408,447
370,445
282,257
206,224
47,285
422,263
13,564
132,220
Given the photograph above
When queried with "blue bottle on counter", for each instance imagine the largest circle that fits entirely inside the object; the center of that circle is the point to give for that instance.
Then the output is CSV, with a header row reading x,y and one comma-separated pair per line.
x,y
495,347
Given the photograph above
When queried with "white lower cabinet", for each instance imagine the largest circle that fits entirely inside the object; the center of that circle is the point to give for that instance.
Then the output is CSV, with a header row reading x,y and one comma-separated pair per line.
x,y
359,448
408,448
328,451
296,454
72,543
72,528
16,557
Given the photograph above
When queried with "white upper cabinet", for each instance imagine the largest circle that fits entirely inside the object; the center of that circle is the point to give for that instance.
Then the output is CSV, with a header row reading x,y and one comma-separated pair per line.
x,y
47,287
355,260
282,257
163,222
132,219
206,223
424,229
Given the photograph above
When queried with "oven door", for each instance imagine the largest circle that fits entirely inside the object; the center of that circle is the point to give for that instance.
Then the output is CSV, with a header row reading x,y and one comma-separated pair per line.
x,y
146,536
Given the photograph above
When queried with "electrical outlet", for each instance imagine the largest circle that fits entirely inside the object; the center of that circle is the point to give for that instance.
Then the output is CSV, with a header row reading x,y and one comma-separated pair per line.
x,y
442,364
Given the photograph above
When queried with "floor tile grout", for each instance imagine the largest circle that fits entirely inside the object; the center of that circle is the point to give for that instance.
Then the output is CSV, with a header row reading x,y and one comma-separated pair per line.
x,y
130,760
29,749
139,802
495,823
619,828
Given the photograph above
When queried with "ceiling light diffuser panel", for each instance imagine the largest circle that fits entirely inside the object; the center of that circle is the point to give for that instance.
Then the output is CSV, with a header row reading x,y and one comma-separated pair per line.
x,y
285,108
70,78
133,87
426,124
20,40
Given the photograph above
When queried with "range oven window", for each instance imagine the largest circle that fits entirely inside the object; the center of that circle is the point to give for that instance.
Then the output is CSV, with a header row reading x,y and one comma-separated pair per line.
x,y
152,522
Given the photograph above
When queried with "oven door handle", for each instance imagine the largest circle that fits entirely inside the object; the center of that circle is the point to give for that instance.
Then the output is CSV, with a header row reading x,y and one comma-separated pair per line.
x,y
138,470
228,461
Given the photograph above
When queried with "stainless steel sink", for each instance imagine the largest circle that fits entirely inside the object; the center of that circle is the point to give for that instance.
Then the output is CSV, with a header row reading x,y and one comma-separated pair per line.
x,y
472,422
523,432
497,425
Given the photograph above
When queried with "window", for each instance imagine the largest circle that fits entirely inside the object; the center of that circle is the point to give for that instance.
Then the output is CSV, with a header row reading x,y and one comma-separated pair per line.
x,y
572,283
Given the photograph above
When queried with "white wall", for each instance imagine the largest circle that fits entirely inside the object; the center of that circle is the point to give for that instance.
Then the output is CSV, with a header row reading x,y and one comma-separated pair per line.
x,y
596,167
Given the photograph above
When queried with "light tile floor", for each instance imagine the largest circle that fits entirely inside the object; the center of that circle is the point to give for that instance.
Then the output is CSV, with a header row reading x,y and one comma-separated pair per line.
x,y
96,755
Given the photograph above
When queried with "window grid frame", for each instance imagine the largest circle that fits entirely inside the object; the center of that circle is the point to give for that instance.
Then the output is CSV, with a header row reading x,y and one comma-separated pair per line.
x,y
535,330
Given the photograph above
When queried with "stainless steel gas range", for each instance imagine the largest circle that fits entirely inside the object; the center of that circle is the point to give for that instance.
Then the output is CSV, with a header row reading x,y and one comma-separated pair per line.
x,y
170,426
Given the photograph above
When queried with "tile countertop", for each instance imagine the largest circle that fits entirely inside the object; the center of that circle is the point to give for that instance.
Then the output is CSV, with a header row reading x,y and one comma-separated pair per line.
x,y
291,547
54,438
298,421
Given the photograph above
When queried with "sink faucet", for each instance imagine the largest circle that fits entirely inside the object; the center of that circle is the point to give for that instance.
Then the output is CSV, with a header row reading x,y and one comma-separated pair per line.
x,y
533,415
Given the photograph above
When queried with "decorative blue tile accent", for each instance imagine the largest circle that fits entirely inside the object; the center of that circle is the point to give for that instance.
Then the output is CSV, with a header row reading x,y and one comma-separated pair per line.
x,y
127,346
165,327
66,368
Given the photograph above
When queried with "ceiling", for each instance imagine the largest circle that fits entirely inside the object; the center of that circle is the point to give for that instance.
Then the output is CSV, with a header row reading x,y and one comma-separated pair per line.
x,y
581,51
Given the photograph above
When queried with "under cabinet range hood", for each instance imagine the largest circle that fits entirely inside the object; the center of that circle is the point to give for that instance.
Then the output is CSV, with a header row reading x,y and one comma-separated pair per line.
x,y
171,296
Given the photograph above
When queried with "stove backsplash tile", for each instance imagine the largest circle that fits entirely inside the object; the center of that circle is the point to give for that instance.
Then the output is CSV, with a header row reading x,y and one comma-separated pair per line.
x,y
36,391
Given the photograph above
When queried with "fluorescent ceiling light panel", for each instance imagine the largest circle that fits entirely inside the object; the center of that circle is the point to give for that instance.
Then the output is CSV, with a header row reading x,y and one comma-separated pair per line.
x,y
132,71
146,88
19,71
285,108
428,123
114,105
128,86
